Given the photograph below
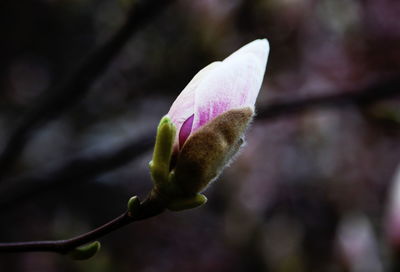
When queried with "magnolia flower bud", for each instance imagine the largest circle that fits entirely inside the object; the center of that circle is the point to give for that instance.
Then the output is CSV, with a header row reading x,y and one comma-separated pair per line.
x,y
204,128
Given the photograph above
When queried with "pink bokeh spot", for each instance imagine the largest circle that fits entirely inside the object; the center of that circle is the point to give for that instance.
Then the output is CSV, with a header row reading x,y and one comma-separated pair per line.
x,y
393,212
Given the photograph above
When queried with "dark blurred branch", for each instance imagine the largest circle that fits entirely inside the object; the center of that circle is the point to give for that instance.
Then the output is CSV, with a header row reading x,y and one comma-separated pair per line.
x,y
59,100
149,208
371,94
73,171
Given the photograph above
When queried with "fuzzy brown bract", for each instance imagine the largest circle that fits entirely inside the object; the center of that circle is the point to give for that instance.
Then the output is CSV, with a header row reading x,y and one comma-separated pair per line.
x,y
207,151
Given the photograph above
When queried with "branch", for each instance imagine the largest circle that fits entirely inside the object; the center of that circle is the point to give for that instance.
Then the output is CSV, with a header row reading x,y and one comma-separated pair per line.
x,y
149,208
373,93
79,84
76,170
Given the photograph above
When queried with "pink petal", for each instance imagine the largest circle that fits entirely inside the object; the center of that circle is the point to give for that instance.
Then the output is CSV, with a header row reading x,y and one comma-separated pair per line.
x,y
219,87
183,106
185,131
234,83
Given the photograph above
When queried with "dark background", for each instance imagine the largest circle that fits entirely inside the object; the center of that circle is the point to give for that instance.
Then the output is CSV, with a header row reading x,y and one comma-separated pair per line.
x,y
309,192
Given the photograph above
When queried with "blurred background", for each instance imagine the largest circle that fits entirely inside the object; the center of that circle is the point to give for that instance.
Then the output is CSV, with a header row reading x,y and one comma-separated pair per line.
x,y
310,191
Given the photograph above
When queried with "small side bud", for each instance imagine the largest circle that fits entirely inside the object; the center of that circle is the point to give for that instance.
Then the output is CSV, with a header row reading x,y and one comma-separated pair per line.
x,y
85,252
207,151
133,205
159,166
179,204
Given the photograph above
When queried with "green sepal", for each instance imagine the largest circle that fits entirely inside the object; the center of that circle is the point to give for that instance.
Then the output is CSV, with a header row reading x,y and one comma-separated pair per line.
x,y
85,252
160,164
133,205
179,204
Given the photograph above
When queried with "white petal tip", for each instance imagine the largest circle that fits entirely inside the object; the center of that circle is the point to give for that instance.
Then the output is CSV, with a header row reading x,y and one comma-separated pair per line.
x,y
258,47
